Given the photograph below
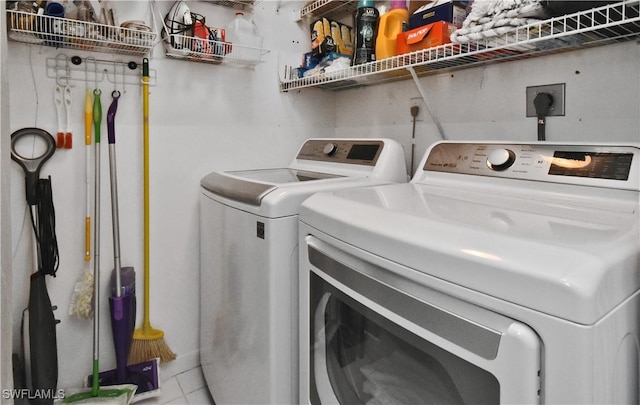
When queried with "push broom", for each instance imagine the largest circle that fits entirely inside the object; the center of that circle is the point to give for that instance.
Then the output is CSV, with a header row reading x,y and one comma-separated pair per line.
x,y
148,343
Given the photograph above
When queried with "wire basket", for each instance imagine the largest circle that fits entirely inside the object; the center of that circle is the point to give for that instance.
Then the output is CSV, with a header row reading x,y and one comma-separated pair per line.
x,y
201,43
212,51
132,39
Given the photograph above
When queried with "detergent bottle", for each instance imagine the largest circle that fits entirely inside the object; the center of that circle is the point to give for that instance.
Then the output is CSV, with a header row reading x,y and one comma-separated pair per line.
x,y
391,24
365,32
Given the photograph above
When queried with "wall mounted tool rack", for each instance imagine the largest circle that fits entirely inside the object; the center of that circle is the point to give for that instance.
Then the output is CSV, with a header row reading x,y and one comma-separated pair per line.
x,y
121,73
61,32
610,24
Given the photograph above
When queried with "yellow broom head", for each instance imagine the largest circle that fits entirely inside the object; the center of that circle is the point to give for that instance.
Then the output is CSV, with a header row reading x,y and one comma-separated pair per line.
x,y
148,344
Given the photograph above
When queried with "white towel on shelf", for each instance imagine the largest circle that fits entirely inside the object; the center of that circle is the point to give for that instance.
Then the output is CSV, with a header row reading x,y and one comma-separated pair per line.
x,y
492,18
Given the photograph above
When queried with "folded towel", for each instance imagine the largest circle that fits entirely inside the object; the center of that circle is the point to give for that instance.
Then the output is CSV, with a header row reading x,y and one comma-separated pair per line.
x,y
492,18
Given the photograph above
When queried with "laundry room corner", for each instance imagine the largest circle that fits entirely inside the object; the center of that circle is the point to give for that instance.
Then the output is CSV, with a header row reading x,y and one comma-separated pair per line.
x,y
202,118
260,196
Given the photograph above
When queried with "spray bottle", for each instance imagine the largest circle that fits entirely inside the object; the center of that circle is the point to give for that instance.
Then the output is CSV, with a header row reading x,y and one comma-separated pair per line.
x,y
365,32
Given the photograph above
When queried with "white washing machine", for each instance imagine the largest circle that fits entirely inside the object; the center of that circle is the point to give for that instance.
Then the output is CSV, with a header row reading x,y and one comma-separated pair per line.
x,y
249,262
501,274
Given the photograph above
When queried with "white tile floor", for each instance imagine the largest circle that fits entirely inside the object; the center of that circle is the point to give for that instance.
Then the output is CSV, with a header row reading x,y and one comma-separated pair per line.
x,y
188,388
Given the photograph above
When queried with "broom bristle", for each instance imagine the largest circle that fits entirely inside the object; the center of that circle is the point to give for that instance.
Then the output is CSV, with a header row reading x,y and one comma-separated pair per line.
x,y
147,349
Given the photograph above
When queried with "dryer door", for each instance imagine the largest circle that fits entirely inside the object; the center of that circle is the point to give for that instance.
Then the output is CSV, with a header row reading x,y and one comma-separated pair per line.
x,y
371,340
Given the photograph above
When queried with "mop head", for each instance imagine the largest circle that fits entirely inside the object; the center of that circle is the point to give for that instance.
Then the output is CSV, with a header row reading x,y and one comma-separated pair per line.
x,y
148,343
82,299
145,375
113,395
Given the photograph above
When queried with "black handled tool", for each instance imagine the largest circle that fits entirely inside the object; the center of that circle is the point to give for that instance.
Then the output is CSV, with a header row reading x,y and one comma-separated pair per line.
x,y
32,166
38,319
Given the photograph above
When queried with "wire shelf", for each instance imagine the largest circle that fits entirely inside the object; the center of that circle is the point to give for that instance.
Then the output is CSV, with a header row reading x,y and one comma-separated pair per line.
x,y
209,51
66,33
328,8
619,22
236,4
214,51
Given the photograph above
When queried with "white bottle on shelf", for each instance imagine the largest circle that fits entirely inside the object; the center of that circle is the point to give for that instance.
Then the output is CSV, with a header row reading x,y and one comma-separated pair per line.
x,y
246,42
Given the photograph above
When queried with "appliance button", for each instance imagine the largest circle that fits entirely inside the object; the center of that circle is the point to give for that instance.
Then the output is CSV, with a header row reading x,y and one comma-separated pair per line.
x,y
330,149
500,159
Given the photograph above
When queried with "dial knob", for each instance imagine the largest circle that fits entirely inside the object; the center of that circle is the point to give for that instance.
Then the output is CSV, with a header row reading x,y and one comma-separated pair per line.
x,y
500,159
329,149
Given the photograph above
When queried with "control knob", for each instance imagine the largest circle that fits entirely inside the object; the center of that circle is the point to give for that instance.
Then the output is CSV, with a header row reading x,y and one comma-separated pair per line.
x,y
500,159
330,149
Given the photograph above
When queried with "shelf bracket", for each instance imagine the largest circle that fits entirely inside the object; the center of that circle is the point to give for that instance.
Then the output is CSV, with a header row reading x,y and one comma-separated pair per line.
x,y
436,120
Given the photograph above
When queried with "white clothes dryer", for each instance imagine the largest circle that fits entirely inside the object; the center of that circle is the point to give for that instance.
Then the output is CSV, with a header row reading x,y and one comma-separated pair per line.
x,y
501,274
249,262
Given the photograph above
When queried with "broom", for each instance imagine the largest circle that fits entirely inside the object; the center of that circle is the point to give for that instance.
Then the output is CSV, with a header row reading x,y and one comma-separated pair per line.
x,y
148,343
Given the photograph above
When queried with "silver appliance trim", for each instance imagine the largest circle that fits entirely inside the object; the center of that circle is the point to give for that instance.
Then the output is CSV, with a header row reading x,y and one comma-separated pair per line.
x,y
465,333
238,190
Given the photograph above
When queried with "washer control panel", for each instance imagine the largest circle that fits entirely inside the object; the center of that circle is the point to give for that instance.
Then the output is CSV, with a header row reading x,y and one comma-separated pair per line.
x,y
359,152
575,164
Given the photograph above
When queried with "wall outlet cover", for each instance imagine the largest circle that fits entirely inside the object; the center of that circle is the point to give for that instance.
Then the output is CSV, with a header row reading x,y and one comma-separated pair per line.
x,y
557,91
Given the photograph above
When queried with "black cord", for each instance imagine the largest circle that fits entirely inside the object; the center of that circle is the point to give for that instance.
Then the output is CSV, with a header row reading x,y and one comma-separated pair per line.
x,y
414,113
47,243
542,102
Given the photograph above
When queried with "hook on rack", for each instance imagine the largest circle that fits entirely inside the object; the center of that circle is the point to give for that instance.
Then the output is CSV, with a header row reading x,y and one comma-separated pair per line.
x,y
95,72
115,76
112,74
62,71
66,69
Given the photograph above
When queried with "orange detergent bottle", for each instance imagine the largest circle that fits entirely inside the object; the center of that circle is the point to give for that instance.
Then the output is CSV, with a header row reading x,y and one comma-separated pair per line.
x,y
390,25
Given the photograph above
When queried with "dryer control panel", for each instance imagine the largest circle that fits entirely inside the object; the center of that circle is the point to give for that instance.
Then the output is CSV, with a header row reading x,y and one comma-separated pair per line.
x,y
359,152
595,165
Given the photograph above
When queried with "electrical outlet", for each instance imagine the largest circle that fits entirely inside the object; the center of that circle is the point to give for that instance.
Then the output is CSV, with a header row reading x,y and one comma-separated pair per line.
x,y
417,102
557,92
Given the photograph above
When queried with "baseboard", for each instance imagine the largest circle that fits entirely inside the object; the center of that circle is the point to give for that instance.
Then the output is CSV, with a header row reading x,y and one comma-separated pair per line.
x,y
182,363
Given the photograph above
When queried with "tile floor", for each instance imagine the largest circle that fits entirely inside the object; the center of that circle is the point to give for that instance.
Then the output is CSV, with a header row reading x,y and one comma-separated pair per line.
x,y
188,388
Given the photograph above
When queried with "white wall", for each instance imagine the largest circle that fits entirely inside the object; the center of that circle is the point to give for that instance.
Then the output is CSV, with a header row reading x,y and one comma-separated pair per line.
x,y
6,271
203,118
602,101
206,117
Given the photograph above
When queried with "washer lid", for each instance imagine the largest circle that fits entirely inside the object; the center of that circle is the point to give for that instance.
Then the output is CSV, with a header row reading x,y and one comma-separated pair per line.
x,y
280,176
250,186
572,261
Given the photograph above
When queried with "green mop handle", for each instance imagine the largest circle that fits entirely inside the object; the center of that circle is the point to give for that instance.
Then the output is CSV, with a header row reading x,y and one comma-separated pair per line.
x,y
97,122
97,114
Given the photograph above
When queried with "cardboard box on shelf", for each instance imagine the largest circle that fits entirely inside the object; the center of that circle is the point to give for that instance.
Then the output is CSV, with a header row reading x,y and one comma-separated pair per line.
x,y
309,61
330,36
342,36
428,36
452,11
416,4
